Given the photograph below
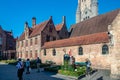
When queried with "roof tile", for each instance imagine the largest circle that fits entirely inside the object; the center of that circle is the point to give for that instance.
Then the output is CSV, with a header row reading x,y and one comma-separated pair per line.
x,y
94,25
81,40
59,27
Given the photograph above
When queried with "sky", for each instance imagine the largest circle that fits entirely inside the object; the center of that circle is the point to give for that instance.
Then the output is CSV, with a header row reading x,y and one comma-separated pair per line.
x,y
14,13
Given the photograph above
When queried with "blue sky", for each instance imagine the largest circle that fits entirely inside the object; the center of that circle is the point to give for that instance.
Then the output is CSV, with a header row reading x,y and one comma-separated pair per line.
x,y
14,13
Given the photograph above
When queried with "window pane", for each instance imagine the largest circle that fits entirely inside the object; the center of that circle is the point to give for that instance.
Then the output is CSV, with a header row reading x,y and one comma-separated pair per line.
x,y
54,52
44,52
80,51
105,49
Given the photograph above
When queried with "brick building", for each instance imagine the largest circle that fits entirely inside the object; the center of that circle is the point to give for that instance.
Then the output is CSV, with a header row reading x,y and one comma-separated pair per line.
x,y
96,38
7,45
33,38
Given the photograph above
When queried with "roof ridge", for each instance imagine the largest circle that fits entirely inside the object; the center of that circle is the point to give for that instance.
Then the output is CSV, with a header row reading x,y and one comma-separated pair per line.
x,y
79,36
75,41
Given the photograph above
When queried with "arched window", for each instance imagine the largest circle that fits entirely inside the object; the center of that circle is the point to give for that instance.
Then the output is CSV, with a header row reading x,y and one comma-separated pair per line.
x,y
105,49
45,52
80,50
54,52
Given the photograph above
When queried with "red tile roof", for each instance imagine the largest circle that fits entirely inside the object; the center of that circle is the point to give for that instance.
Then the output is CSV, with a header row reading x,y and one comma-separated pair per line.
x,y
38,28
59,27
94,25
81,40
34,31
22,37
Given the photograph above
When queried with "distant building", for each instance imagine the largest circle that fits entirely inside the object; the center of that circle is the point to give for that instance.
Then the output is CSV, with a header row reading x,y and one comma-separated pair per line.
x,y
33,38
7,45
86,9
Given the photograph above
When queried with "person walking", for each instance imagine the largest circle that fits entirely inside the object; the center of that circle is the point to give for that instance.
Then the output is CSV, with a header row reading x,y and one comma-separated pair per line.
x,y
38,61
20,70
88,65
27,66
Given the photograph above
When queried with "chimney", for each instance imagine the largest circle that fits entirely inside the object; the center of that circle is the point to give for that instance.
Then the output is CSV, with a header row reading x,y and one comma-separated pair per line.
x,y
26,25
33,21
11,32
50,17
64,20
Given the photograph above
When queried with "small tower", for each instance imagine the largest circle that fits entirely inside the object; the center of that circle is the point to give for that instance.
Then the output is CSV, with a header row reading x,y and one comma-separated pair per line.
x,y
26,30
78,13
64,20
25,25
33,22
94,8
86,9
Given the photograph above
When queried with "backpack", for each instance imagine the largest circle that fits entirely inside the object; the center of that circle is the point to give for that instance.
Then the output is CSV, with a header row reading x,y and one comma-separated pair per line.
x,y
88,64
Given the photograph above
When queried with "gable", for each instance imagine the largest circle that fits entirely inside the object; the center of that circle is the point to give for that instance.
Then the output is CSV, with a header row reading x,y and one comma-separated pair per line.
x,y
35,31
94,25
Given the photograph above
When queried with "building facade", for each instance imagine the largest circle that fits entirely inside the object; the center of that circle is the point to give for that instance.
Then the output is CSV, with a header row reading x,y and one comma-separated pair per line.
x,y
93,36
33,38
86,9
96,38
7,45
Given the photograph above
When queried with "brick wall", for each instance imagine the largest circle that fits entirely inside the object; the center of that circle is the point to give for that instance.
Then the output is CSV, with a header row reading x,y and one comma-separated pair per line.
x,y
92,51
115,60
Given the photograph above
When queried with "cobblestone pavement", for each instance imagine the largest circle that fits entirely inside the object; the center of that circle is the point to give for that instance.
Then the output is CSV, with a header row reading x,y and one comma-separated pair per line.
x,y
9,72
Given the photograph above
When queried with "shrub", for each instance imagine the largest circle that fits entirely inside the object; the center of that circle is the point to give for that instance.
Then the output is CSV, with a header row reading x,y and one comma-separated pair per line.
x,y
71,72
52,69
12,61
34,65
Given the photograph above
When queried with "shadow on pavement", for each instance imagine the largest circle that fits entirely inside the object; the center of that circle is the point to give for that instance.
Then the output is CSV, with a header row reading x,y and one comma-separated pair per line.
x,y
9,72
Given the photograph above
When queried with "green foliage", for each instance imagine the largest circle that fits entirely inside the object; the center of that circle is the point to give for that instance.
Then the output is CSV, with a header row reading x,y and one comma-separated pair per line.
x,y
34,65
52,68
12,61
72,72
49,62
